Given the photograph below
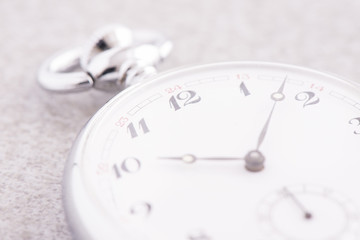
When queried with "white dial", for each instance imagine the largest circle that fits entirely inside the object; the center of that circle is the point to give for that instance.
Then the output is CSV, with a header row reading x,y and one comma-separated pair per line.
x,y
192,154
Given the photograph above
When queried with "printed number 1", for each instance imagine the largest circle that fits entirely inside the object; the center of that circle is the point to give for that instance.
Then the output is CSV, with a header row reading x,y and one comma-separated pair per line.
x,y
244,90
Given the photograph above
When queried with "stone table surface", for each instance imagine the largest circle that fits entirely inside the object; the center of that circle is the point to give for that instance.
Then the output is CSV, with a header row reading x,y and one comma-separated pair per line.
x,y
37,128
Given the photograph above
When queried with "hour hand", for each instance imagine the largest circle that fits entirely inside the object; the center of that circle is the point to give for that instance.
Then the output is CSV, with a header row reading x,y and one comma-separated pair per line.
x,y
190,158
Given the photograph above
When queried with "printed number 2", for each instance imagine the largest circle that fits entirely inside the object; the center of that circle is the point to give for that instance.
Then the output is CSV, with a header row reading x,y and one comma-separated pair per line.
x,y
188,97
308,98
142,126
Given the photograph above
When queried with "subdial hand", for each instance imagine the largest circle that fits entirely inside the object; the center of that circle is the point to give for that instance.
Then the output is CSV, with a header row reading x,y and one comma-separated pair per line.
x,y
190,158
254,160
306,212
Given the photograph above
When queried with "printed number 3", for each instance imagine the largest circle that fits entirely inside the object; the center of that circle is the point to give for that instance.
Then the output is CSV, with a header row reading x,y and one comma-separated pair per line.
x,y
355,121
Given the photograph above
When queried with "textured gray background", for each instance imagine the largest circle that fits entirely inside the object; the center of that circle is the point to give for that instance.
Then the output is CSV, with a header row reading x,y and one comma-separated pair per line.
x,y
37,128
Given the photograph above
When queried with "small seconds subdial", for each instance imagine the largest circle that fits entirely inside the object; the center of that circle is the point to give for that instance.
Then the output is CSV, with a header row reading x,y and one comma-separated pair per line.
x,y
308,212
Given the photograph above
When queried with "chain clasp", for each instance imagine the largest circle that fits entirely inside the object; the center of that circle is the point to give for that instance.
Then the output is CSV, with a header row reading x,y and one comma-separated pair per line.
x,y
113,59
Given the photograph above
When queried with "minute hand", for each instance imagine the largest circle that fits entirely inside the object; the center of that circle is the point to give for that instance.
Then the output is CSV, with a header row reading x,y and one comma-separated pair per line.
x,y
254,160
276,96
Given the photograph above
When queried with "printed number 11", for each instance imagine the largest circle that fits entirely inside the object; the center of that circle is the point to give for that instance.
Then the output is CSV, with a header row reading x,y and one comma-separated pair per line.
x,y
142,126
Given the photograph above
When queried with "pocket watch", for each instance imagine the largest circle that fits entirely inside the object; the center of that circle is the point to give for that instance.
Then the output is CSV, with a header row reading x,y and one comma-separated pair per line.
x,y
232,150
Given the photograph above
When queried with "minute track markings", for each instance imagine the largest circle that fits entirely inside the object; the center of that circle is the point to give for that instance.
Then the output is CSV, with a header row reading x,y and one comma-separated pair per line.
x,y
201,81
134,110
346,99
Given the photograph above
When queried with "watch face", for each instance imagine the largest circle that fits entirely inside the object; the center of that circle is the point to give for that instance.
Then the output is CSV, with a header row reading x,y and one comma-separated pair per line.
x,y
225,151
